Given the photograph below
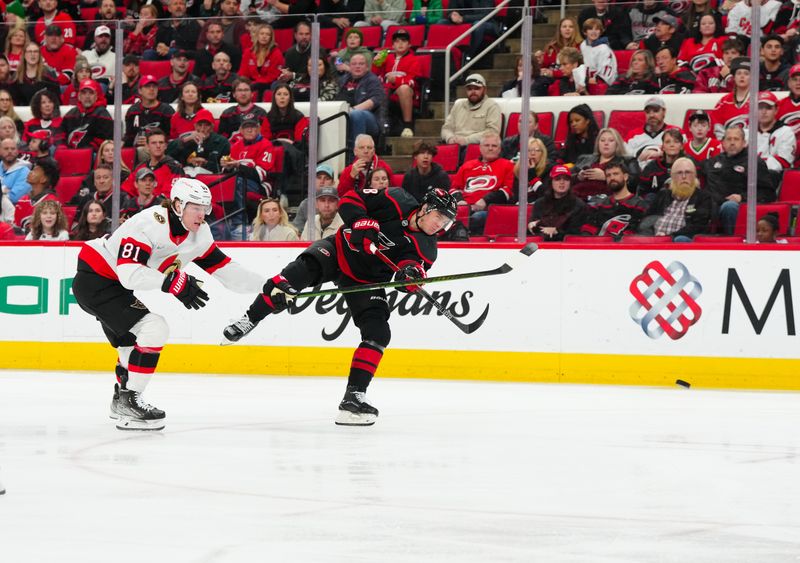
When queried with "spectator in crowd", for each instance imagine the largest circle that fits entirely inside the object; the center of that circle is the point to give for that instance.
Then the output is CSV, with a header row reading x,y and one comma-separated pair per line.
x,y
716,79
105,155
774,18
52,15
145,115
425,173
262,64
145,189
640,77
472,116
701,145
341,14
601,64
328,84
58,55
573,74
272,223
48,222
656,172
143,36
6,77
165,167
697,9
681,211
131,77
426,12
38,147
645,143
766,229
732,109
567,35
80,72
472,11
538,168
15,44
188,105
214,45
616,22
33,75
582,133
665,34
93,223
104,190
15,13
670,77
46,117
13,172
298,54
108,15
283,15
232,118
557,212
726,179
324,178
353,40
179,33
7,110
777,145
364,92
43,178
484,181
327,220
589,169
384,13
218,86
400,72
201,148
101,57
88,124
378,179
510,149
539,84
643,15
252,160
704,46
8,130
788,107
234,28
354,176
287,127
773,71
617,214
169,87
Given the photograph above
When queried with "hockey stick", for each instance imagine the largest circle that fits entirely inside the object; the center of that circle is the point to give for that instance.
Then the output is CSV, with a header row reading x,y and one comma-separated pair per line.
x,y
526,250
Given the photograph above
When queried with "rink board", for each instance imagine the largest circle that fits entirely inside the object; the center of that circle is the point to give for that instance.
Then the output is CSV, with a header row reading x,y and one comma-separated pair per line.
x,y
623,315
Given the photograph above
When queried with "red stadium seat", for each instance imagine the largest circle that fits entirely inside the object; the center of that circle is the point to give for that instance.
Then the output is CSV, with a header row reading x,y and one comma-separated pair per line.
x,y
372,36
221,190
562,127
783,211
578,239
790,187
441,35
73,162
473,151
447,157
717,239
129,157
70,211
502,220
396,180
641,239
328,37
284,38
424,65
509,238
417,33
159,69
792,240
545,123
623,60
67,187
626,121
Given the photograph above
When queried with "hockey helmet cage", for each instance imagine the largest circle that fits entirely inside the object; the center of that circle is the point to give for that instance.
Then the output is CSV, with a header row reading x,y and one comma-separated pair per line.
x,y
438,199
190,190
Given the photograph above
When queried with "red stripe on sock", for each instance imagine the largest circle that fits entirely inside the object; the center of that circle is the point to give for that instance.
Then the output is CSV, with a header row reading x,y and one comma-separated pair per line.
x,y
146,350
368,355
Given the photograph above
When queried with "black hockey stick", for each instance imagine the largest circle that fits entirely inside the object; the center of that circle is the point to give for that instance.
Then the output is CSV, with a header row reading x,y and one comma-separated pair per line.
x,y
526,250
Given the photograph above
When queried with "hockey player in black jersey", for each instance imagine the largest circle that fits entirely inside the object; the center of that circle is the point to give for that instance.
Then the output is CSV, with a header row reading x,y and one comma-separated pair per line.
x,y
389,221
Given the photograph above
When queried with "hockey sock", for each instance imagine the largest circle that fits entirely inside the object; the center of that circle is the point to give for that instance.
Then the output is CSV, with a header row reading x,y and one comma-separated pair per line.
x,y
141,366
123,354
365,362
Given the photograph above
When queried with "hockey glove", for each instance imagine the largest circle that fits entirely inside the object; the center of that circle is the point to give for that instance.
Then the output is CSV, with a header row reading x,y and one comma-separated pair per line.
x,y
279,293
186,288
409,270
364,235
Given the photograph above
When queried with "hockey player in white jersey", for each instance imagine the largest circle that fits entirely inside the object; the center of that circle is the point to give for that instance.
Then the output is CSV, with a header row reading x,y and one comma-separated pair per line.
x,y
149,251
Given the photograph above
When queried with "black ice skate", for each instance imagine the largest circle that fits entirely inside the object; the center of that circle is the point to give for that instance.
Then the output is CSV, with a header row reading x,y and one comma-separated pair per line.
x,y
133,413
237,330
354,410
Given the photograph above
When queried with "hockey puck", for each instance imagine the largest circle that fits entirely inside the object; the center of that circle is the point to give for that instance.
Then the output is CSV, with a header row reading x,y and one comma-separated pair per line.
x,y
529,248
683,383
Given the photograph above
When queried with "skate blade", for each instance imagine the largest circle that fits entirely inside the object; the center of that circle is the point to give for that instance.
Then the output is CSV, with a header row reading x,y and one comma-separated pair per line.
x,y
142,425
347,418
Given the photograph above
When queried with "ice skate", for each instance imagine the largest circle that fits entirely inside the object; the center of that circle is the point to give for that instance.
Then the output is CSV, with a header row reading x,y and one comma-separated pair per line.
x,y
113,412
237,330
354,410
133,413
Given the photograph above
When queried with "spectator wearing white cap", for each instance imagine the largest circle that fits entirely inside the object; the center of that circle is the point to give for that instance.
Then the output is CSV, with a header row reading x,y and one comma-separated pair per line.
x,y
101,57
472,116
645,143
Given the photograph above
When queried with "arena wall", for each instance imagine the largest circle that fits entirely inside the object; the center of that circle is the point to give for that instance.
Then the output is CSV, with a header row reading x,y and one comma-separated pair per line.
x,y
567,314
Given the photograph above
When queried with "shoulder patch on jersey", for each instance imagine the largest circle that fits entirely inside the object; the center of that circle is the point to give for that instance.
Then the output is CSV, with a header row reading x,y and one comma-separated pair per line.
x,y
159,218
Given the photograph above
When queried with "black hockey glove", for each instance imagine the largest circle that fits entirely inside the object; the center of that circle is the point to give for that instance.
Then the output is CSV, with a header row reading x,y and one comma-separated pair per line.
x,y
186,288
364,235
409,270
279,292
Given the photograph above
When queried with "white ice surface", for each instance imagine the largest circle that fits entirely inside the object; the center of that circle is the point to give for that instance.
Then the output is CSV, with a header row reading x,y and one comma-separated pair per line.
x,y
254,470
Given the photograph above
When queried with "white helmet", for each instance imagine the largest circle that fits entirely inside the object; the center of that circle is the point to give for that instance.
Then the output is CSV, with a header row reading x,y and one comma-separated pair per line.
x,y
190,190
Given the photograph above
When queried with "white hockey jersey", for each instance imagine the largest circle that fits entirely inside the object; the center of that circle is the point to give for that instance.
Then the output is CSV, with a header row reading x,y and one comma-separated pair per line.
x,y
777,147
600,62
739,18
139,252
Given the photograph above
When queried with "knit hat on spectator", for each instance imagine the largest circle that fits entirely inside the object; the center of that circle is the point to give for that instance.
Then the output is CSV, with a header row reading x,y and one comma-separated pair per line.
x,y
102,30
559,170
740,63
16,8
203,115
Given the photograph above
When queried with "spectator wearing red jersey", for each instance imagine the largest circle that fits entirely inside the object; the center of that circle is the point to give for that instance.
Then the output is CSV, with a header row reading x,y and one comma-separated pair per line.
x,y
484,181
46,117
16,41
718,78
732,110
51,15
143,36
700,146
58,55
400,72
354,177
262,64
704,48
